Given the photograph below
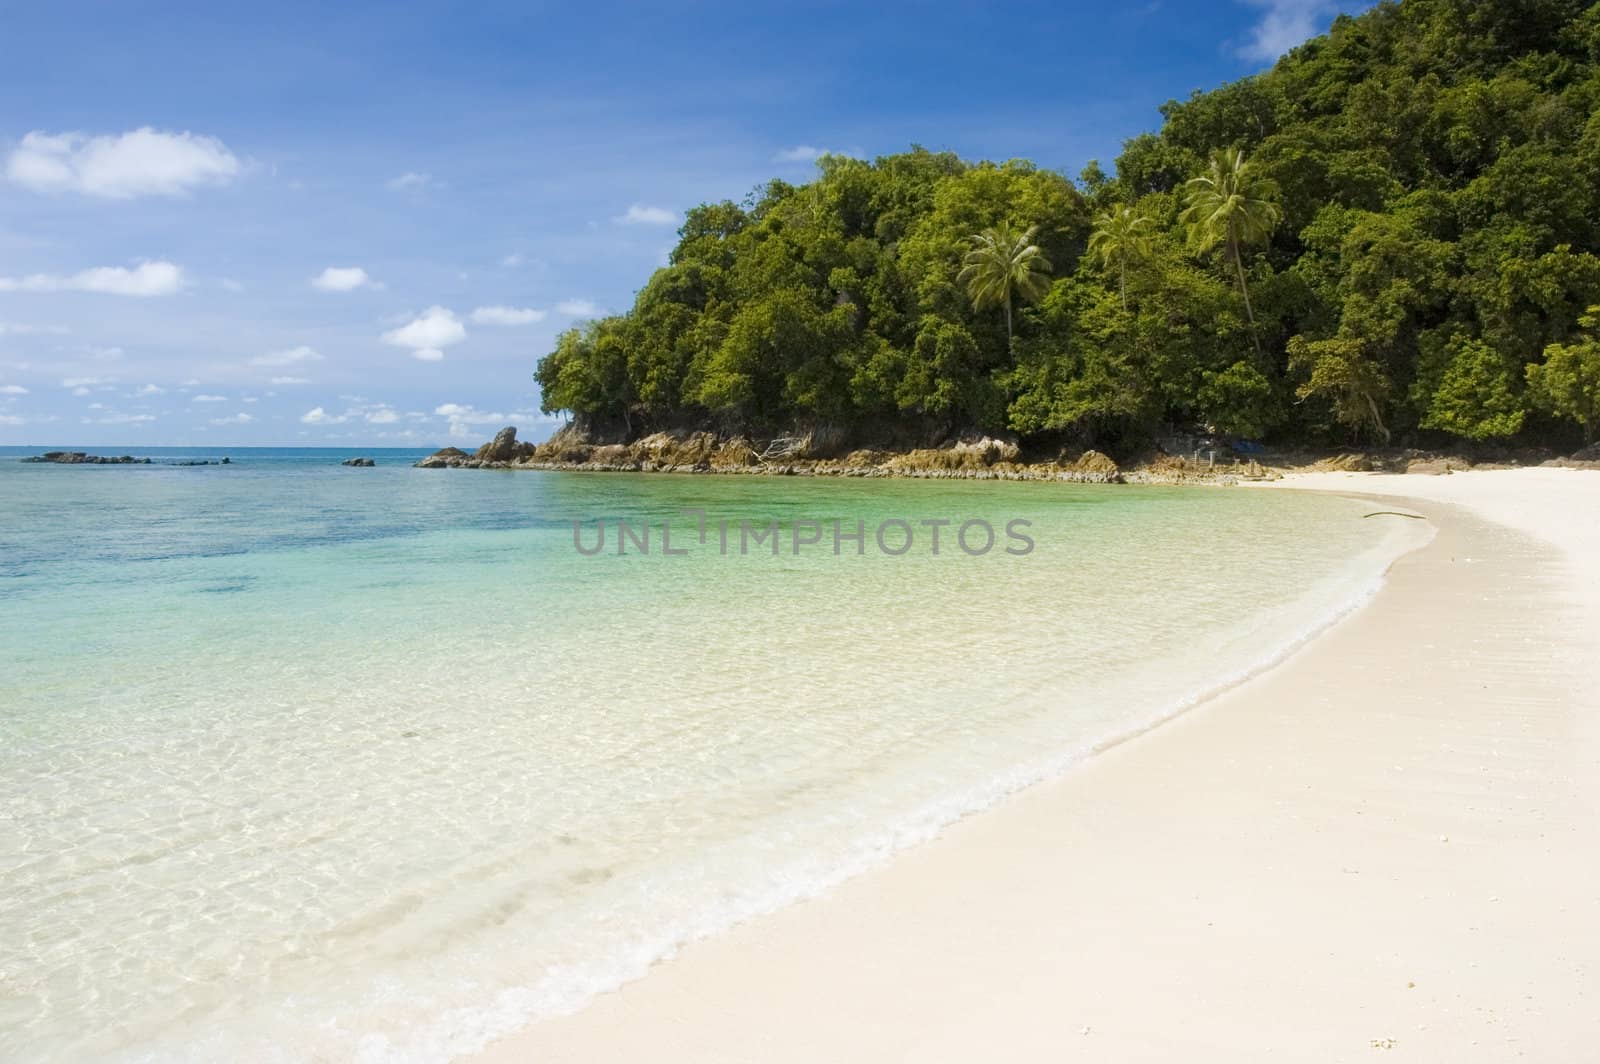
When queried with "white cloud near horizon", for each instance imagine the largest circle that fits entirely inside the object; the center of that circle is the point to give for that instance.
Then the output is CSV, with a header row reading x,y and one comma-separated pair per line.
x,y
577,308
643,214
142,162
318,416
1283,25
290,380
234,419
147,279
428,333
343,279
502,315
120,419
209,399
287,358
12,389
467,420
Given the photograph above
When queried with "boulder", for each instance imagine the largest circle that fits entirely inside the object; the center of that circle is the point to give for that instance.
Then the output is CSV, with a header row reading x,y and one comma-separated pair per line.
x,y
365,463
444,459
504,447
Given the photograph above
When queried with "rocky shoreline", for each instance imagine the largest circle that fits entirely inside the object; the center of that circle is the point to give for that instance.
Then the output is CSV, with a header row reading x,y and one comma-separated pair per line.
x,y
969,458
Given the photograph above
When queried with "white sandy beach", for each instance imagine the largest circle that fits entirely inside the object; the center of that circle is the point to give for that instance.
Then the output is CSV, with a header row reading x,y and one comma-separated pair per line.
x,y
1388,848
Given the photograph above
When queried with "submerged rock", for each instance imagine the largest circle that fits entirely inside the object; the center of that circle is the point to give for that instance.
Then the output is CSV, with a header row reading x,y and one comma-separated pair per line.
x,y
364,463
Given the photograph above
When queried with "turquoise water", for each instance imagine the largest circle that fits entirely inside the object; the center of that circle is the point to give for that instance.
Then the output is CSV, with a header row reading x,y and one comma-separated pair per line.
x,y
306,762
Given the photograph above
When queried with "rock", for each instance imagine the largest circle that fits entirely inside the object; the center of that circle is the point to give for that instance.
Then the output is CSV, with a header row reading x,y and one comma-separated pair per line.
x,y
1345,463
987,450
1590,453
1434,467
448,458
365,463
83,458
504,447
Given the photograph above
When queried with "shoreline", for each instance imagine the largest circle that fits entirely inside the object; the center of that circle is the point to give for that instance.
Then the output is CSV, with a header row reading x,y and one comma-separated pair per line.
x,y
854,974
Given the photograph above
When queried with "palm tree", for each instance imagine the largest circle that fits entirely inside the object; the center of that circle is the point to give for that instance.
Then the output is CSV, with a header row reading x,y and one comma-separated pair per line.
x,y
1228,206
1121,235
1002,265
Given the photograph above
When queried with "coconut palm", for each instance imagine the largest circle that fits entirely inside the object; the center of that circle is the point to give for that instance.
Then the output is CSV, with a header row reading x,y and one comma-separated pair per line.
x,y
1002,265
1121,236
1228,205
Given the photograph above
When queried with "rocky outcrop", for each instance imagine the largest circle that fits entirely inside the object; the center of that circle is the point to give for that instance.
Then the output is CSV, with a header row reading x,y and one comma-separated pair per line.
x,y
363,463
447,458
504,447
813,452
83,458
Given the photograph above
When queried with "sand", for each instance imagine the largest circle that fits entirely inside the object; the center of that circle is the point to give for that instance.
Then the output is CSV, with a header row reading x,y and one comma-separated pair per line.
x,y
1386,848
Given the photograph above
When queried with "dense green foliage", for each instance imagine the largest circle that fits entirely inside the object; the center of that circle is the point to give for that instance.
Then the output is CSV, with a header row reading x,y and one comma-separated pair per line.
x,y
1389,236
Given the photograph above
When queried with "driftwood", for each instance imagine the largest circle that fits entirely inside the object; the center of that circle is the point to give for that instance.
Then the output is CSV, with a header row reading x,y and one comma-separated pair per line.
x,y
1394,513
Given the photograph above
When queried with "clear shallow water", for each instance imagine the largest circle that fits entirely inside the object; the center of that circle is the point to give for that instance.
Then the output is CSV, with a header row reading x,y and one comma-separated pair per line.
x,y
305,762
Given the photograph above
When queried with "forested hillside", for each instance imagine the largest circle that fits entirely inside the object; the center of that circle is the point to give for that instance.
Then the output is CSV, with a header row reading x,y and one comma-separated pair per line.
x,y
1391,236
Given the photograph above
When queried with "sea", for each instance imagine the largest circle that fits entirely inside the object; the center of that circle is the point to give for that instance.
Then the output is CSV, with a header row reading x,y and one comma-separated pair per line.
x,y
300,761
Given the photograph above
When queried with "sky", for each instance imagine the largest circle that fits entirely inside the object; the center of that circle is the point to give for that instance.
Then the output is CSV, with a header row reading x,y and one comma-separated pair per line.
x,y
363,224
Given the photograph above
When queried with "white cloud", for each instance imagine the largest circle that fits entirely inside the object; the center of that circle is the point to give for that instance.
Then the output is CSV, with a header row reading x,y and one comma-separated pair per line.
x,y
149,390
343,279
640,214
1284,24
12,419
145,279
104,354
143,162
467,420
209,399
801,153
512,261
12,389
577,308
318,416
287,358
289,380
412,182
120,419
231,285
434,328
236,419
382,416
29,330
86,382
499,315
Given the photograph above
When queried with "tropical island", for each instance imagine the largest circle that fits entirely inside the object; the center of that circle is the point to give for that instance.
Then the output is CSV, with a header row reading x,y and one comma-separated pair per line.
x,y
1387,241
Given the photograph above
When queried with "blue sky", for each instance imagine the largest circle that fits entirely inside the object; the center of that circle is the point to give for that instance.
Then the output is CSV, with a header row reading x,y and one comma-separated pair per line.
x,y
357,224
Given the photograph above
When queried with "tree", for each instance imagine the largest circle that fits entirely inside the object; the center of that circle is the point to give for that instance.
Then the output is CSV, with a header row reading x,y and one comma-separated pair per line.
x,y
1567,383
1340,371
1476,397
1226,205
1121,236
1003,265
